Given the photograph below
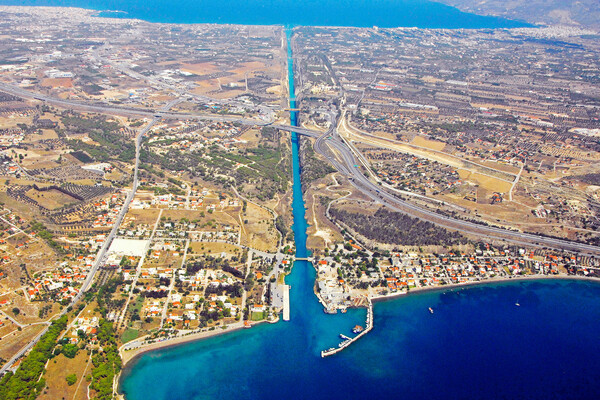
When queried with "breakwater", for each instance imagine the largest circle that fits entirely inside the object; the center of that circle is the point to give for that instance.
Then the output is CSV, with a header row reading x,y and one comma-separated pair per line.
x,y
348,341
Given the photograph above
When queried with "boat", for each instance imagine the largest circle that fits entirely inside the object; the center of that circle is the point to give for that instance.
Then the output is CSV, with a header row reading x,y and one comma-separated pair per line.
x,y
344,310
517,304
330,310
431,310
357,329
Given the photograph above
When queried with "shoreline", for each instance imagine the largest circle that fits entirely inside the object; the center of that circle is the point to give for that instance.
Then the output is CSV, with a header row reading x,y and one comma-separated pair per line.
x,y
420,290
129,356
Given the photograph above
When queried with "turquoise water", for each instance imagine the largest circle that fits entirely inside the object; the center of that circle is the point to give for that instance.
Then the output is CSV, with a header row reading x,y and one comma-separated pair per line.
x,y
477,345
383,13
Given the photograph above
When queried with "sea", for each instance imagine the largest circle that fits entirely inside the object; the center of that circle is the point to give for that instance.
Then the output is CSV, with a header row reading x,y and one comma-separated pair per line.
x,y
358,13
534,339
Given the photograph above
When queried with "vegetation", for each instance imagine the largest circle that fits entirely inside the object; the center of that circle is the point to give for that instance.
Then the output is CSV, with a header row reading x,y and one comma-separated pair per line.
x,y
396,228
112,144
27,383
42,232
261,172
71,379
107,363
313,168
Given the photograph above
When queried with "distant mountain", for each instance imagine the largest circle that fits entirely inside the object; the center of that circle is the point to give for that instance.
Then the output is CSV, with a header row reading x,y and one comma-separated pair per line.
x,y
582,13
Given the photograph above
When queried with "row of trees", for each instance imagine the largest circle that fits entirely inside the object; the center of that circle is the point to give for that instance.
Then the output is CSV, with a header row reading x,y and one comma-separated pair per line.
x,y
27,383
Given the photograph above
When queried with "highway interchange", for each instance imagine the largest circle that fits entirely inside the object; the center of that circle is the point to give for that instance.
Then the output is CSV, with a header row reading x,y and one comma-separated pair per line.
x,y
330,145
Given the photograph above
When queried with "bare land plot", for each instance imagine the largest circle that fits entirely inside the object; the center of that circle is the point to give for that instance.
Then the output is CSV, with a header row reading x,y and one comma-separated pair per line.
x,y
56,374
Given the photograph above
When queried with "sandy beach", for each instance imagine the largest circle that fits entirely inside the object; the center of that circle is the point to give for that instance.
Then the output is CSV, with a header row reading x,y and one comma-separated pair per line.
x,y
128,355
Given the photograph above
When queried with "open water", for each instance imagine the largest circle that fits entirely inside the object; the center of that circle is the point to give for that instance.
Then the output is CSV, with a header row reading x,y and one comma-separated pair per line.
x,y
382,13
477,345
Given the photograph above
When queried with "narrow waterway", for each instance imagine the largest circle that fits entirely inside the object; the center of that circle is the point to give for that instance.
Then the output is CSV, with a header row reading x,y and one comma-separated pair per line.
x,y
477,344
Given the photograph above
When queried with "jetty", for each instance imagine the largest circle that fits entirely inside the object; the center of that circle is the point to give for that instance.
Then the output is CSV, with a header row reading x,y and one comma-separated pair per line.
x,y
348,341
286,302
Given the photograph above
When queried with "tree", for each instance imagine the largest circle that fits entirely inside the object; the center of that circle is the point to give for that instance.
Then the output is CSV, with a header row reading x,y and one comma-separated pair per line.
x,y
16,311
71,379
70,350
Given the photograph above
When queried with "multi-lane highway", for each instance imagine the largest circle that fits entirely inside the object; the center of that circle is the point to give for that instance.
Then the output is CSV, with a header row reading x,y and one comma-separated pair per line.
x,y
341,155
329,144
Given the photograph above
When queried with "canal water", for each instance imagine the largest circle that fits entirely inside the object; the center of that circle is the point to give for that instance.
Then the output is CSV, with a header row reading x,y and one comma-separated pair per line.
x,y
476,345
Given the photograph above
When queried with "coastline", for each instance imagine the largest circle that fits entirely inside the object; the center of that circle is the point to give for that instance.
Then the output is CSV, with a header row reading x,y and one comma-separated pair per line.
x,y
388,297
127,356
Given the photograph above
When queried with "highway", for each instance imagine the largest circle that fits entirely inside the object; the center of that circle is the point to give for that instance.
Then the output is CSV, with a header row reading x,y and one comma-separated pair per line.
x,y
347,165
340,154
100,257
329,144
125,111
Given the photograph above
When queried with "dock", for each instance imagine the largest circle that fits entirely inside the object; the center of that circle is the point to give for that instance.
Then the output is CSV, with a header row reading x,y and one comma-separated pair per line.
x,y
286,302
348,341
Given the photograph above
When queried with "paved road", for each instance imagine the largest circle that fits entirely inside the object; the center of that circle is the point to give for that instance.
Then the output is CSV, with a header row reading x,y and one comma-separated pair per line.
x,y
339,153
100,257
101,108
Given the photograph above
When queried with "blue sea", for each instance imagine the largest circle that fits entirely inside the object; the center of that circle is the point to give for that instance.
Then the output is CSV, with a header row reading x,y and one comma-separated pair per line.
x,y
476,345
382,13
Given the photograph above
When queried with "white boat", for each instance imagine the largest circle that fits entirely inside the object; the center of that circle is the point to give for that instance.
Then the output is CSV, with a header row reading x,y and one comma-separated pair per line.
x,y
431,310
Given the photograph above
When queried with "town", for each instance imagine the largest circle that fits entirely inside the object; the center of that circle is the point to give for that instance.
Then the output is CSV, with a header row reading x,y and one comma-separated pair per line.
x,y
146,191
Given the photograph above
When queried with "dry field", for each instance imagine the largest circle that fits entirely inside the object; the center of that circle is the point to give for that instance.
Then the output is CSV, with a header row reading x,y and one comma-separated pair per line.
x,y
487,182
15,341
14,120
214,248
57,371
220,217
430,144
140,217
58,82
258,230
51,199
36,158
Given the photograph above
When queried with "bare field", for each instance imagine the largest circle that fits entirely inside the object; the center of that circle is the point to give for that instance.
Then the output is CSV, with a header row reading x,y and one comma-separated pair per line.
x,y
220,217
51,199
56,373
214,248
487,182
15,341
141,217
58,82
259,231
430,144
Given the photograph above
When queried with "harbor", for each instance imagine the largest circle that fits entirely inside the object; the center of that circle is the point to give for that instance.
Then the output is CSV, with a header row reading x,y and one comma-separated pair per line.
x,y
347,340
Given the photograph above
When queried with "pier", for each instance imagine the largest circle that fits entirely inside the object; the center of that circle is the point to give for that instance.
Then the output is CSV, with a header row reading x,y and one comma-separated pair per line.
x,y
286,302
348,341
